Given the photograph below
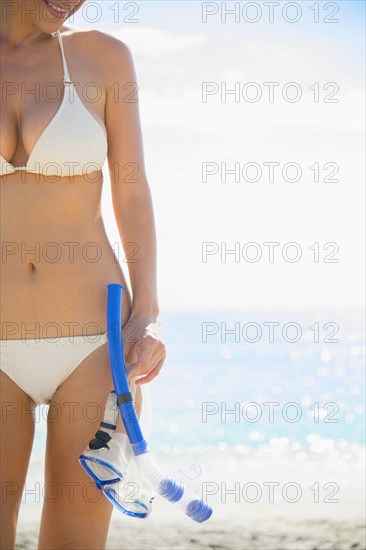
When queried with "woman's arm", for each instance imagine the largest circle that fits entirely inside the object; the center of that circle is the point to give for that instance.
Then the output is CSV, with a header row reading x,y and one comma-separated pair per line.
x,y
132,204
131,195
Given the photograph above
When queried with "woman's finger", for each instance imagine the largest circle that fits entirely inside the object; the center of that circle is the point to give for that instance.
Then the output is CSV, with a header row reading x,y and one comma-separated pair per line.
x,y
153,374
134,370
151,350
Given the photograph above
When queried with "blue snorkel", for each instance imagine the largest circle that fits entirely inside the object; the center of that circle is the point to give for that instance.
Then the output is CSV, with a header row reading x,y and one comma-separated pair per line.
x,y
118,368
104,459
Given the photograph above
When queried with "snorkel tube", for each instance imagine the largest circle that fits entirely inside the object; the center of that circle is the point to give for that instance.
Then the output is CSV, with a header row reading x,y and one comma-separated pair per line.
x,y
167,487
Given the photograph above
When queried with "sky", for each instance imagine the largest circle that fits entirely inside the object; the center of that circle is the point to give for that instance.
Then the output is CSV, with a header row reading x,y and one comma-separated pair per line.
x,y
188,136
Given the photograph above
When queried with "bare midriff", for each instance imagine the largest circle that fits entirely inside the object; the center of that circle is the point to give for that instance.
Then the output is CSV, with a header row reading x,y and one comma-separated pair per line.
x,y
56,258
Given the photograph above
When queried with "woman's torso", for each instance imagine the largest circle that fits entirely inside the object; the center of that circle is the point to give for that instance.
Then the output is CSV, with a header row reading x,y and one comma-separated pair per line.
x,y
56,259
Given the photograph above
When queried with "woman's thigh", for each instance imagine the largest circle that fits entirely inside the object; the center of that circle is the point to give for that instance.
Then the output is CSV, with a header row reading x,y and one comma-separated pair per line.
x,y
16,440
75,513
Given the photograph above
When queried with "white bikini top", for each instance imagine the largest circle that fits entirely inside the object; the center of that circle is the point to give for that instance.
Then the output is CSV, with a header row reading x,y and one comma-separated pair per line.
x,y
73,143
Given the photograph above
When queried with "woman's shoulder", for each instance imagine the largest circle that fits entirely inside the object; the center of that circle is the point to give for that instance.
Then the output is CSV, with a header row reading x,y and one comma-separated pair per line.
x,y
98,43
110,58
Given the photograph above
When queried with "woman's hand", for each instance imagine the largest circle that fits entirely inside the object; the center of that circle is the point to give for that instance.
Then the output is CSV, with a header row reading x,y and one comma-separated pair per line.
x,y
143,349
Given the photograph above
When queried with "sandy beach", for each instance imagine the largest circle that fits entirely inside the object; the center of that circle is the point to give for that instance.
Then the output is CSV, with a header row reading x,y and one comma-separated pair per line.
x,y
273,535
241,525
276,534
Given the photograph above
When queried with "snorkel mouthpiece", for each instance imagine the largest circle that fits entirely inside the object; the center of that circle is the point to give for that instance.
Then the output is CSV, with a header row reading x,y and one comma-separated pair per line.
x,y
100,441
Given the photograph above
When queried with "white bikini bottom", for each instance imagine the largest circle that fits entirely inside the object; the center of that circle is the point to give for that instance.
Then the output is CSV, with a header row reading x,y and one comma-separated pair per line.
x,y
39,366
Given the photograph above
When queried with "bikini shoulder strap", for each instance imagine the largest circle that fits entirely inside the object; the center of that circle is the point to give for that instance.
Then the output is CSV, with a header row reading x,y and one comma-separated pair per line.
x,y
66,70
